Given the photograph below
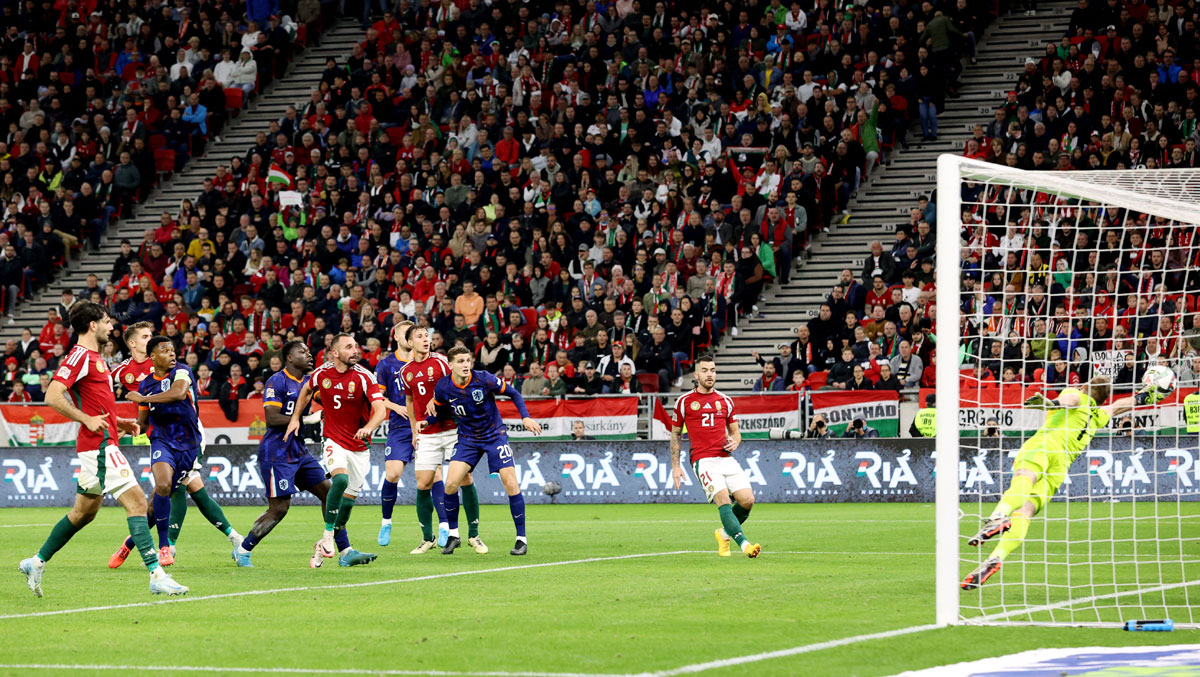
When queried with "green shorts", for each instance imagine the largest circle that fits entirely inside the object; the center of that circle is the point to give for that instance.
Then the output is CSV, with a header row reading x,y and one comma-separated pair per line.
x,y
1050,468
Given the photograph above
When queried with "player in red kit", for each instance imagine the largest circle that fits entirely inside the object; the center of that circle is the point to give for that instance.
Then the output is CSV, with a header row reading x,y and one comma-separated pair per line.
x,y
81,390
714,436
433,446
353,409
128,375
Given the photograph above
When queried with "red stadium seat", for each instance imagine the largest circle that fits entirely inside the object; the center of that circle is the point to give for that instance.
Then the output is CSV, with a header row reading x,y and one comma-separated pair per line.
x,y
234,98
530,315
157,141
164,161
649,382
395,135
818,379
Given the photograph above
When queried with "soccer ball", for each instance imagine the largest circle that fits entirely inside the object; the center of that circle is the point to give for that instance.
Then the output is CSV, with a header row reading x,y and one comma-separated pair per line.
x,y
1159,382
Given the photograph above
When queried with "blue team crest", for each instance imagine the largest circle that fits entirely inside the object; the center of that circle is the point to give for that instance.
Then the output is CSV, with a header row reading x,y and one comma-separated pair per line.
x,y
477,395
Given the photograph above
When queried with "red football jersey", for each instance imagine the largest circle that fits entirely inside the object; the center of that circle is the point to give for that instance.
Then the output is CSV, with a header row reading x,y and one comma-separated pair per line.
x,y
130,374
346,398
418,380
86,375
705,416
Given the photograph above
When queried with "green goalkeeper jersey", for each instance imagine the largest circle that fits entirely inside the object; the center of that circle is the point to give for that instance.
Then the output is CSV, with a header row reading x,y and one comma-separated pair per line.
x,y
1069,429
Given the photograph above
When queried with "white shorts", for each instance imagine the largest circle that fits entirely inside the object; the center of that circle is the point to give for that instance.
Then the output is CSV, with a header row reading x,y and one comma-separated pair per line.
x,y
356,463
109,474
197,470
720,473
434,449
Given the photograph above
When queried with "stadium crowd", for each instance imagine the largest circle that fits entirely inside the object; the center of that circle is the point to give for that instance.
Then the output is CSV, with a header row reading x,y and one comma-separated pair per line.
x,y
98,98
1044,289
589,195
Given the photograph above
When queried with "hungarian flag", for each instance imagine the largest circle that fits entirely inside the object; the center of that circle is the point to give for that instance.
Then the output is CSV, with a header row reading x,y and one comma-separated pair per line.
x,y
277,175
661,424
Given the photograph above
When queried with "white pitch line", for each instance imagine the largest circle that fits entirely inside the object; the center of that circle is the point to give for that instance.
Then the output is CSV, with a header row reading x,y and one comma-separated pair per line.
x,y
783,653
1082,600
14,526
296,671
338,586
595,522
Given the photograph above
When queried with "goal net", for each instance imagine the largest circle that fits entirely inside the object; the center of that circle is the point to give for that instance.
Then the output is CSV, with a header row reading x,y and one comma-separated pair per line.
x,y
1059,283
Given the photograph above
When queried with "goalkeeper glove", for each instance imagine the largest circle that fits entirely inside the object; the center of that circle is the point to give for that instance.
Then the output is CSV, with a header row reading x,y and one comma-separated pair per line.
x,y
1148,395
1038,401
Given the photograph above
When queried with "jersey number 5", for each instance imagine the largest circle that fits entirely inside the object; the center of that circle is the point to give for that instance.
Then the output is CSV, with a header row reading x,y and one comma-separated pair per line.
x,y
337,401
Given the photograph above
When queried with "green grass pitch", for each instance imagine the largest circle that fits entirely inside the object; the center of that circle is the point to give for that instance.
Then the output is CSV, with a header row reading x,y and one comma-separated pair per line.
x,y
827,572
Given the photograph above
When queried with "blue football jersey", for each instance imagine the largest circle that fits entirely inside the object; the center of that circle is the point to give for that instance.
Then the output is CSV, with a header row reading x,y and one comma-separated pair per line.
x,y
282,391
473,405
174,424
387,374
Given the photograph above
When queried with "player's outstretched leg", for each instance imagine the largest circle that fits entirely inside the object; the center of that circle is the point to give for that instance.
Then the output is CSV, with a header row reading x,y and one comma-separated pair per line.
x,y
982,573
83,513
277,509
213,512
1019,492
333,505
516,502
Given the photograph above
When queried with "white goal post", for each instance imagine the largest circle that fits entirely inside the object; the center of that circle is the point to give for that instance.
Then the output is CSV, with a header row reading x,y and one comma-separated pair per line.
x,y
1095,555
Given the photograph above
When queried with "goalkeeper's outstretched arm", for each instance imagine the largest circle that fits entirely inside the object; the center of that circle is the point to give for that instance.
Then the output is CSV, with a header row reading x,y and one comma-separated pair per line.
x,y
1121,405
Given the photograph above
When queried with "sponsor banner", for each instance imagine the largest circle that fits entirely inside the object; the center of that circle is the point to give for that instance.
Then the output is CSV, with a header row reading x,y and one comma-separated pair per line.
x,y
779,471
1005,406
604,418
612,418
757,415
880,410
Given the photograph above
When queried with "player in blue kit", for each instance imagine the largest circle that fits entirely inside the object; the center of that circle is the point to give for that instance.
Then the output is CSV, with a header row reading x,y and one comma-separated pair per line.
x,y
399,450
167,408
470,397
286,465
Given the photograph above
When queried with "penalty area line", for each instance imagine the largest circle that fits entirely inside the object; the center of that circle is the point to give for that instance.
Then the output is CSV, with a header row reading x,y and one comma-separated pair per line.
x,y
340,586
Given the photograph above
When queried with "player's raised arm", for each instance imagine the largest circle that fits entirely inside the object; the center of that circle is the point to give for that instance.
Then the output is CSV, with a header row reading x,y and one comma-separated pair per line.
x,y
530,424
1065,400
56,397
302,401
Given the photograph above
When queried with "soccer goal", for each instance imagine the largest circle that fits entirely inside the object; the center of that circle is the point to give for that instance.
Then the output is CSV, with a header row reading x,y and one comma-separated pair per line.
x,y
1048,281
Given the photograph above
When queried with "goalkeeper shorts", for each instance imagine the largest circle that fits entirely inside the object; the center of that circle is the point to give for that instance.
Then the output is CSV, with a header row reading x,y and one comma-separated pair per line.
x,y
1050,467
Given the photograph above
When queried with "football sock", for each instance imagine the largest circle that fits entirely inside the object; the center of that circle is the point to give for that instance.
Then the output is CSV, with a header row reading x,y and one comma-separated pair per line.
x,y
425,513
344,513
333,500
470,504
342,539
59,535
388,496
212,511
1018,492
452,512
249,541
438,492
516,505
162,517
731,524
742,514
1012,538
178,512
128,543
145,545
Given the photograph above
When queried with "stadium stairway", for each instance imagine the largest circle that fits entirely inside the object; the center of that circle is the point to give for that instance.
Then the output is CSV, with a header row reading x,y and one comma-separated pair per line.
x,y
291,89
893,190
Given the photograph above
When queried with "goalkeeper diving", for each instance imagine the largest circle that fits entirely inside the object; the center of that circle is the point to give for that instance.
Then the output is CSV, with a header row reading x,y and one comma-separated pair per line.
x,y
1072,420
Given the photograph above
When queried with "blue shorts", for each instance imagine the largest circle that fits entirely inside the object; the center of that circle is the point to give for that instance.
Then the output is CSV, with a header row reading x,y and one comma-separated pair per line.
x,y
399,445
181,461
284,478
471,451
